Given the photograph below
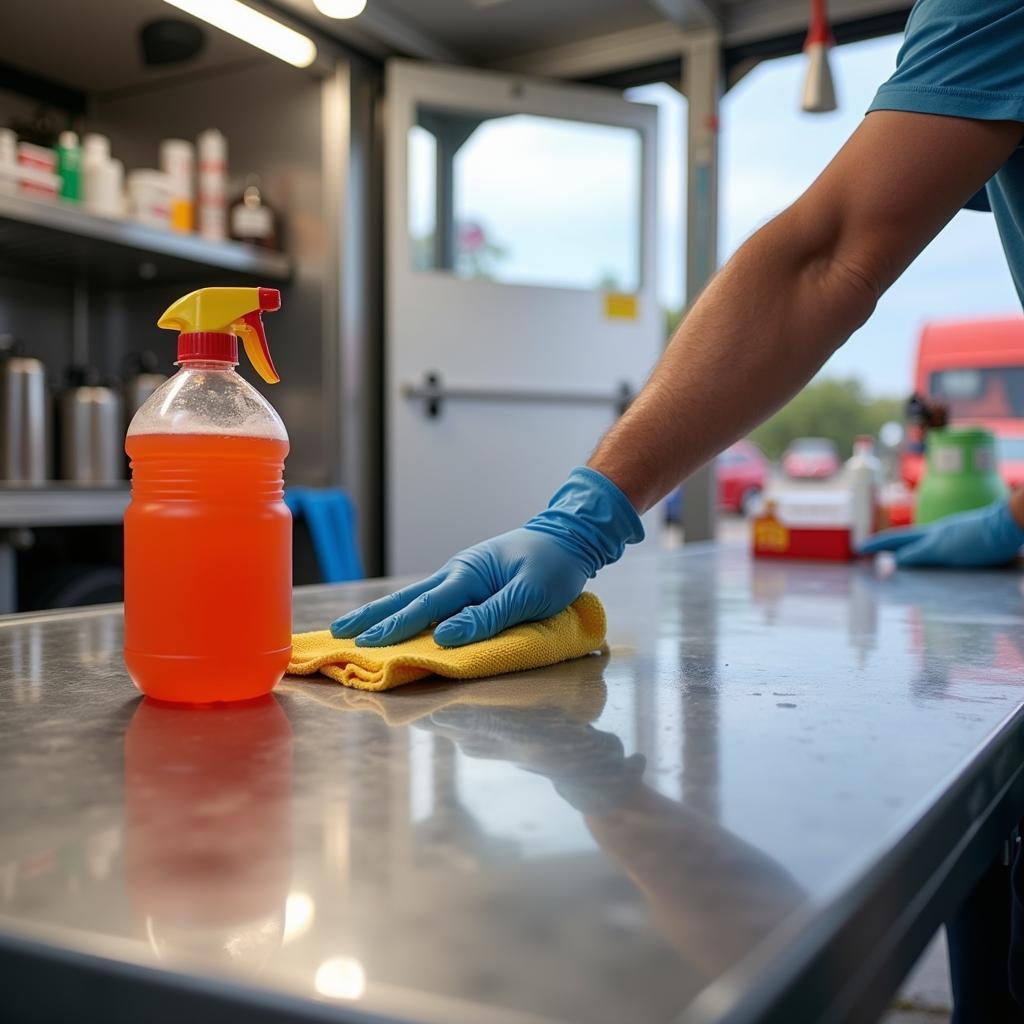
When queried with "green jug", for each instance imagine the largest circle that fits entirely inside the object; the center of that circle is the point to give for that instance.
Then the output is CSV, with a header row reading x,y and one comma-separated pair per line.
x,y
962,473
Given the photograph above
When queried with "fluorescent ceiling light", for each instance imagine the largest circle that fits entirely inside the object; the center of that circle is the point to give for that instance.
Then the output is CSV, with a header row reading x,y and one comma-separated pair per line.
x,y
340,8
253,27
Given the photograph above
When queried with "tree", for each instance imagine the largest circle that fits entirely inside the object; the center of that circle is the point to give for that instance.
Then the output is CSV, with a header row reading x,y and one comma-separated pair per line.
x,y
834,408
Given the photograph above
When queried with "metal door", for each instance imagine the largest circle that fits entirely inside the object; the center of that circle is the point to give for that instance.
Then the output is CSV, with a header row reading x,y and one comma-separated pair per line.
x,y
509,349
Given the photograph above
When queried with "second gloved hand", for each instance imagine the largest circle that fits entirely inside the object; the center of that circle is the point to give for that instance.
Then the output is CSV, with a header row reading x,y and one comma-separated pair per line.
x,y
982,537
528,574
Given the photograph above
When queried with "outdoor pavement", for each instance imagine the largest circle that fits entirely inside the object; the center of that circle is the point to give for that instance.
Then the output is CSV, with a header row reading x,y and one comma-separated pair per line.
x,y
925,997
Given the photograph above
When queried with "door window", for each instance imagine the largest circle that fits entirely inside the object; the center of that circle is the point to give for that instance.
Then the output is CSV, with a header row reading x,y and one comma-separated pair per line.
x,y
522,199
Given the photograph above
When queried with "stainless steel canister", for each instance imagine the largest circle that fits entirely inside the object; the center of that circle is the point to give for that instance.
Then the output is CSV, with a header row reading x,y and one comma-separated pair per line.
x,y
91,431
141,379
24,416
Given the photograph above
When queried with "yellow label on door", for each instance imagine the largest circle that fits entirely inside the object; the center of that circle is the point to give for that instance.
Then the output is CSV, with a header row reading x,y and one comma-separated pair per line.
x,y
620,307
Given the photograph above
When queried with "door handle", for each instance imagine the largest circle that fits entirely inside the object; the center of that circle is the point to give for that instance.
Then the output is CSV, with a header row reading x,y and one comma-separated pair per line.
x,y
434,393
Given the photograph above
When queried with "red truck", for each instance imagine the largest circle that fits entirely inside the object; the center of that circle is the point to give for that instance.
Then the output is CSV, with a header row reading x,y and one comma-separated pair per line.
x,y
976,369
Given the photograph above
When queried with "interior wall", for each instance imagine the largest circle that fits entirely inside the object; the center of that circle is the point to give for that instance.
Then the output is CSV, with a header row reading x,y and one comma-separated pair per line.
x,y
271,115
314,141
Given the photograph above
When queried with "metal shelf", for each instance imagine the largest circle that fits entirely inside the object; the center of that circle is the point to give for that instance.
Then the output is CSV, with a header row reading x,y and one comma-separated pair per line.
x,y
57,237
58,504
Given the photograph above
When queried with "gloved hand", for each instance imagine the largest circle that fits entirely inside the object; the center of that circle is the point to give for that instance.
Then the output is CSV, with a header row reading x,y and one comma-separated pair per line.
x,y
981,537
528,574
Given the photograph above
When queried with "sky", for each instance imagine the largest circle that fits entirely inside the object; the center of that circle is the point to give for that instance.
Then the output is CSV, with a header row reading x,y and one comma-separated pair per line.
x,y
561,199
557,202
770,152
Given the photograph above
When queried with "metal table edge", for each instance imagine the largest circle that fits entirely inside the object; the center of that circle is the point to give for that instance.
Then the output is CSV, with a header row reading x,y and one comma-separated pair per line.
x,y
936,861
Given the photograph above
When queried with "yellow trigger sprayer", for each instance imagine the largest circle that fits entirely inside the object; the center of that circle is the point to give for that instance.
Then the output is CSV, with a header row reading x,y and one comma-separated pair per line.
x,y
207,536
208,321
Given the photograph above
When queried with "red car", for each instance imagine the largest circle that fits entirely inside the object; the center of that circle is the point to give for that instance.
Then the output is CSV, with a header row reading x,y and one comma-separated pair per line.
x,y
810,458
741,471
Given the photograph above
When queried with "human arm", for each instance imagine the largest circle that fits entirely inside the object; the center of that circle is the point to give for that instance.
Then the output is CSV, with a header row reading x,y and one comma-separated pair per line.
x,y
789,297
796,290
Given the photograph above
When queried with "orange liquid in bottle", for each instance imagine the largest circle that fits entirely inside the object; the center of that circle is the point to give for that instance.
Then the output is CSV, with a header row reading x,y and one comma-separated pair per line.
x,y
208,567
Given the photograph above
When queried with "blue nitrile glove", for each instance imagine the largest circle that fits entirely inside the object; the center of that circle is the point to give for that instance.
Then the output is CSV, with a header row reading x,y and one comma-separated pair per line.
x,y
981,537
522,576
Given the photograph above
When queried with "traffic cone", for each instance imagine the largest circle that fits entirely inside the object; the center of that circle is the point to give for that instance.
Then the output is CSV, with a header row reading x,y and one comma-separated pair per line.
x,y
819,95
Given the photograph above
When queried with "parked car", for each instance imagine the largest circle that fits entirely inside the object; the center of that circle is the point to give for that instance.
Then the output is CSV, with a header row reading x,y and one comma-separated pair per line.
x,y
741,471
810,458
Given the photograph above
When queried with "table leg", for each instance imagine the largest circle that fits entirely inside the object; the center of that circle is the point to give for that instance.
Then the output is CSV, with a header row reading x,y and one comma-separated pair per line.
x,y
986,944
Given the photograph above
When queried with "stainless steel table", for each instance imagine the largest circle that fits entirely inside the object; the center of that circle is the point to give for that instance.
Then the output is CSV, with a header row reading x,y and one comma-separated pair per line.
x,y
758,806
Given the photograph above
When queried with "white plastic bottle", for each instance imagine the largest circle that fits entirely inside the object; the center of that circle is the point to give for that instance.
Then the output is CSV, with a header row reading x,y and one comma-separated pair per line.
x,y
102,177
864,478
213,185
177,161
94,161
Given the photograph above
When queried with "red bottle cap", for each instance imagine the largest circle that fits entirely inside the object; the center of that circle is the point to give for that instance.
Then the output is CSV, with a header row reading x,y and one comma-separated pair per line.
x,y
212,345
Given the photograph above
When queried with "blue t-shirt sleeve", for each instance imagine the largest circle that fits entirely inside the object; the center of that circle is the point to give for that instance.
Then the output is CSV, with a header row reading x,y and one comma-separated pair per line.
x,y
961,58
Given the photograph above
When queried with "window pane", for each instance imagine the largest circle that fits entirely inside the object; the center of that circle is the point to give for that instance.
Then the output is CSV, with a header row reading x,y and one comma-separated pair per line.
x,y
995,392
1010,448
532,200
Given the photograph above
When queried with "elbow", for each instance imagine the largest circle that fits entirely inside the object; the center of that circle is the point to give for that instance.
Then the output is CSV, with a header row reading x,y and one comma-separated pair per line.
x,y
841,273
854,286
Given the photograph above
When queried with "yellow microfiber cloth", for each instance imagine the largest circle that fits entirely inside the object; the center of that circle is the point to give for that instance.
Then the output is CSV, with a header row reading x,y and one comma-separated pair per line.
x,y
578,692
578,630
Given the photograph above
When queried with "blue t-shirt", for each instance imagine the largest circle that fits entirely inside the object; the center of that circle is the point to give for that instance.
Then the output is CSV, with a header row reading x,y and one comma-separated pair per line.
x,y
965,58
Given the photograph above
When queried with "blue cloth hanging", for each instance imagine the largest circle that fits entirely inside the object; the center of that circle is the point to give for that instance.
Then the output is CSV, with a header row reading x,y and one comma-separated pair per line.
x,y
330,518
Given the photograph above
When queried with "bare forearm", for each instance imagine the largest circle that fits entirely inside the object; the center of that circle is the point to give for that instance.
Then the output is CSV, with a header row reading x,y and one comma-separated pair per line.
x,y
797,290
758,333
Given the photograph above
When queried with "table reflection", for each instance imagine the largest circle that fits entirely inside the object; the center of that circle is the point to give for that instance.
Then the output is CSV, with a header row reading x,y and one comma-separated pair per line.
x,y
208,829
963,628
23,663
552,724
663,845
958,648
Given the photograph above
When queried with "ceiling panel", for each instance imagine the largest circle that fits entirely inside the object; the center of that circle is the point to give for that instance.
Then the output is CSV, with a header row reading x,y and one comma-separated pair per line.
x,y
570,37
490,31
93,45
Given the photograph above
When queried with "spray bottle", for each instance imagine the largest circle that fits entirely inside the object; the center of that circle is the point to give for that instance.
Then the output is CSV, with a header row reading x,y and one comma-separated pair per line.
x,y
207,535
